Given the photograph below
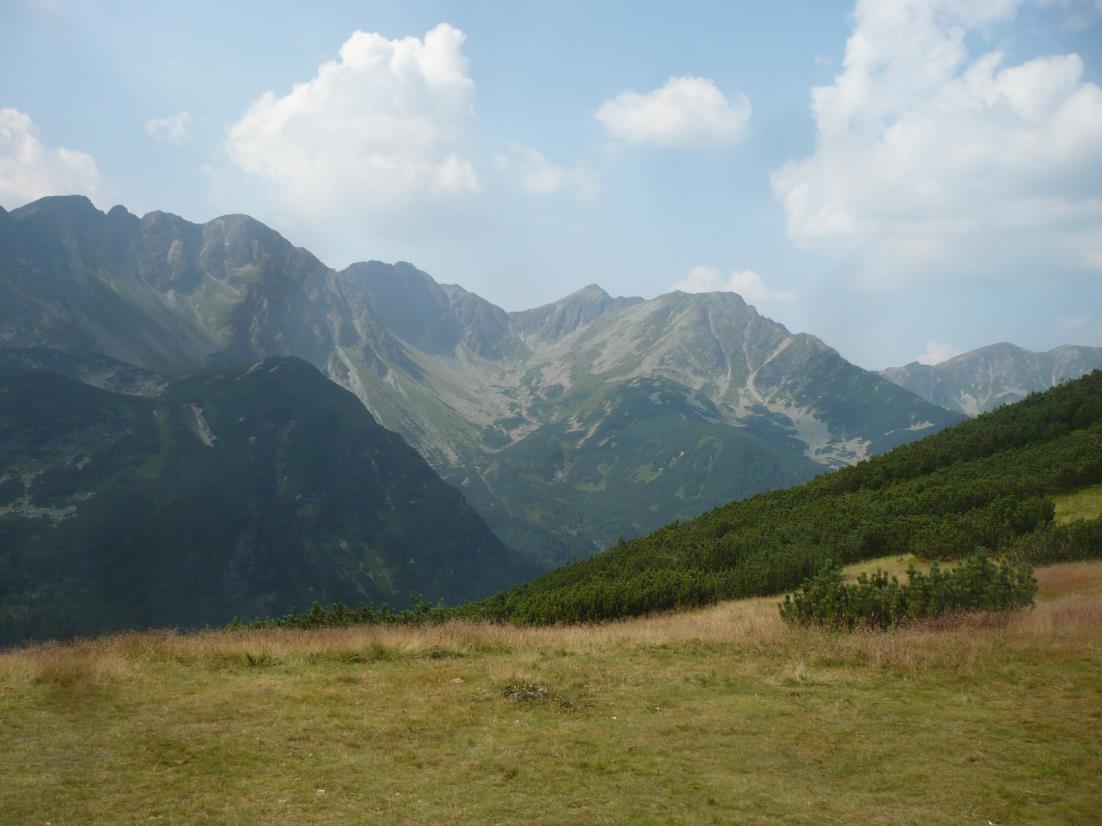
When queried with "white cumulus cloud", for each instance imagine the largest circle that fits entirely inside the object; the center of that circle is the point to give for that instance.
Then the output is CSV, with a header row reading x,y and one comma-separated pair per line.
x,y
746,283
925,153
536,174
380,126
29,169
936,352
171,128
686,111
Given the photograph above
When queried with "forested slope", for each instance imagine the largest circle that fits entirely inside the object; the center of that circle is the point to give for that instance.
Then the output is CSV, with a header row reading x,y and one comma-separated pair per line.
x,y
984,483
240,492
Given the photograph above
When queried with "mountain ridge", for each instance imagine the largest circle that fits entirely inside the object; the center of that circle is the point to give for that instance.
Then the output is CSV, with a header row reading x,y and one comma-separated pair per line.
x,y
988,377
231,492
478,391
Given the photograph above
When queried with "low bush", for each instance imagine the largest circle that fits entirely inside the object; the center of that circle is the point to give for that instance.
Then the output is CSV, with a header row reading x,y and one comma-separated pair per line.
x,y
881,601
339,615
1060,543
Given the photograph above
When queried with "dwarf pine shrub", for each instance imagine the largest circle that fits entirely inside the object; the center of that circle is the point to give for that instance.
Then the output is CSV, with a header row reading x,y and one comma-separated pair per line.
x,y
881,601
1077,540
339,615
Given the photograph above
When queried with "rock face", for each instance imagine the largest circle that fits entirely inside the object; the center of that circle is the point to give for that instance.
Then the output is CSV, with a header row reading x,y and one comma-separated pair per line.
x,y
566,426
88,368
245,492
983,379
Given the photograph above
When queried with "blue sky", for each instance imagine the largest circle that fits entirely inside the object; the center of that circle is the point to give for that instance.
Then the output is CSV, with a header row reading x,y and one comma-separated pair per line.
x,y
943,192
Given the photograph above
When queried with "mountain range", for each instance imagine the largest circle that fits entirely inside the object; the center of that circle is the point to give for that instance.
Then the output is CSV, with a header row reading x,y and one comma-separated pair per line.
x,y
246,492
566,426
981,380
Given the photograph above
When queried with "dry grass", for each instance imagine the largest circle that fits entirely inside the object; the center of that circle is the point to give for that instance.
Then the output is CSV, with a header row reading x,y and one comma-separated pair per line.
x,y
720,715
1080,578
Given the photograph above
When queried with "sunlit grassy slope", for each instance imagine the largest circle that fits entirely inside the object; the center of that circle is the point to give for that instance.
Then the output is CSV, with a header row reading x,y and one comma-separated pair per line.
x,y
721,715
1084,504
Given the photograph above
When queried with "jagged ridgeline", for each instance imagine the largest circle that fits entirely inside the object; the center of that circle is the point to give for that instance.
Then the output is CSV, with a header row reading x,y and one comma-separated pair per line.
x,y
984,483
999,374
249,492
565,426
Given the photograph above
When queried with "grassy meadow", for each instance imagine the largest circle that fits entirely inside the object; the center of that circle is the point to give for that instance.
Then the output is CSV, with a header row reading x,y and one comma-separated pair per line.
x,y
1083,504
721,715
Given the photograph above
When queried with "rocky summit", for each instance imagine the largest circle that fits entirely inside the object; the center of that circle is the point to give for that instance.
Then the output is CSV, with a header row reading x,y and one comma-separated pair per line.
x,y
566,426
981,380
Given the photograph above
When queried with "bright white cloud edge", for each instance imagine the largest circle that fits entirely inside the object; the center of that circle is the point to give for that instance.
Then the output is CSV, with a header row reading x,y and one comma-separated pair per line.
x,y
30,169
936,352
684,112
747,283
925,156
381,126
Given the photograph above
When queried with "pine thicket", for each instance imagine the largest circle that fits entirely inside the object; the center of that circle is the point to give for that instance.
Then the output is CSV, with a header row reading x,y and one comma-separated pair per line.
x,y
986,483
880,601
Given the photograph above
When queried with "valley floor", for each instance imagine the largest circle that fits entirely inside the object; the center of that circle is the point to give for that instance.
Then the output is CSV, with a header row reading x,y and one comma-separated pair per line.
x,y
716,716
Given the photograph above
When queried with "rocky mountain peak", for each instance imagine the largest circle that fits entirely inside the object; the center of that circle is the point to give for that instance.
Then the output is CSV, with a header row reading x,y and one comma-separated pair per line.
x,y
120,215
244,232
59,208
551,322
434,318
593,291
72,219
529,413
1002,373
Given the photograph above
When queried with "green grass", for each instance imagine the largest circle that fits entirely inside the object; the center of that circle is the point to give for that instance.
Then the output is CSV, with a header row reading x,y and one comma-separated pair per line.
x,y
1084,504
894,565
714,716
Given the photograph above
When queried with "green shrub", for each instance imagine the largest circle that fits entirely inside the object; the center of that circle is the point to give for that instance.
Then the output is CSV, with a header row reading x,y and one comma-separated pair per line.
x,y
881,601
338,615
1060,543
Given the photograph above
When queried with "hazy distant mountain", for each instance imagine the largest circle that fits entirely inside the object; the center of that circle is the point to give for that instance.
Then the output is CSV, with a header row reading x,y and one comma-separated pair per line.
x,y
245,492
999,374
74,278
551,322
565,426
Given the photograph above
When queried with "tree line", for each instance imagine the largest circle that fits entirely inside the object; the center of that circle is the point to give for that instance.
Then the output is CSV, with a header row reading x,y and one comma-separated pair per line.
x,y
986,484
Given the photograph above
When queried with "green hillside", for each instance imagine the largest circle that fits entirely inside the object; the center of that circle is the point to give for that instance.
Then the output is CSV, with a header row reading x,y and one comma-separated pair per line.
x,y
633,457
984,483
243,492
